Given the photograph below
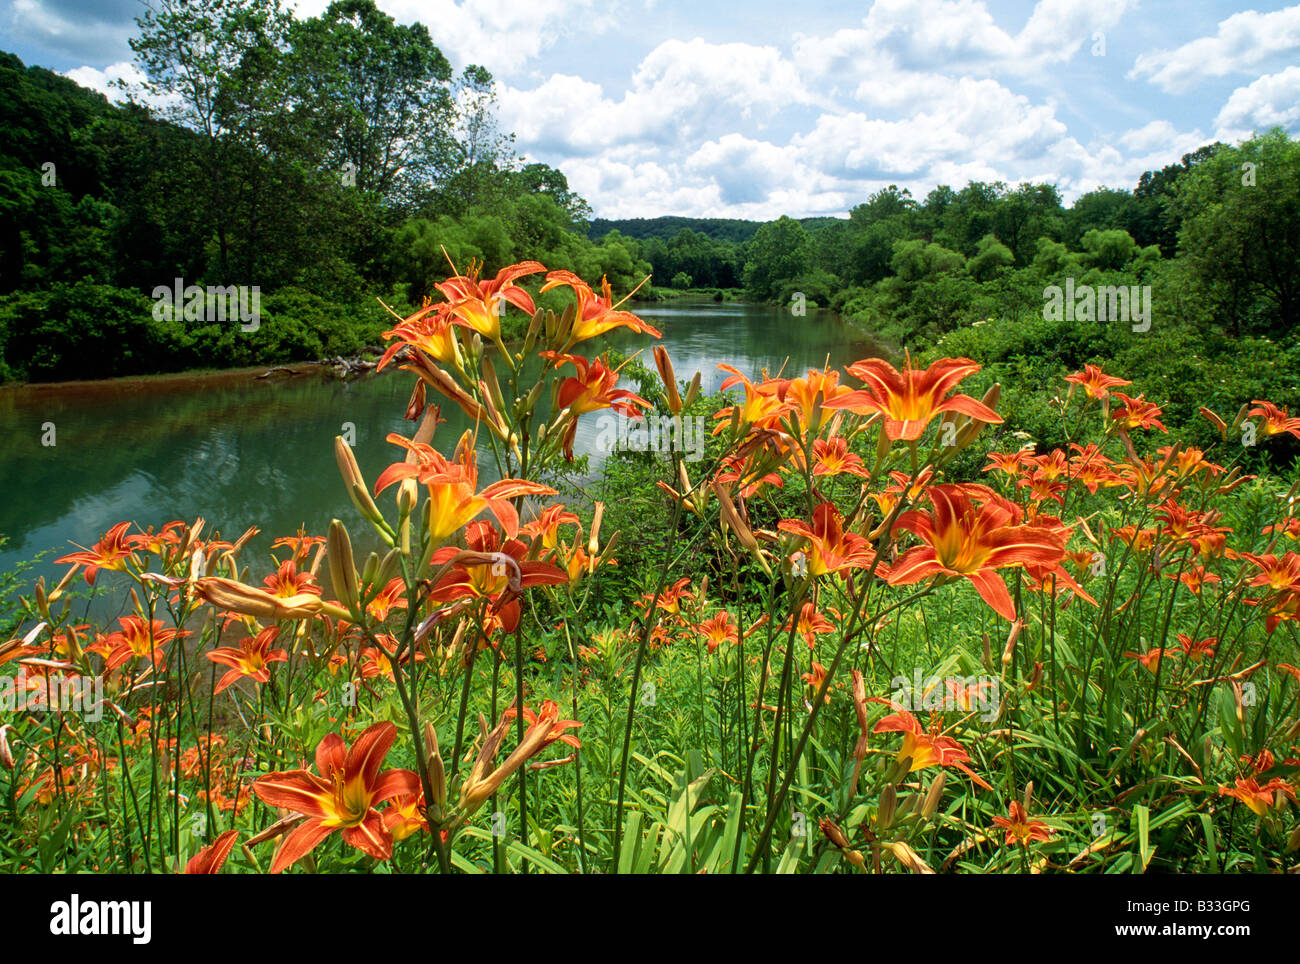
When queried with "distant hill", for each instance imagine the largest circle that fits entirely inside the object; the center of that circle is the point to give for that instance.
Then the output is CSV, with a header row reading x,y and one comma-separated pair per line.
x,y
720,229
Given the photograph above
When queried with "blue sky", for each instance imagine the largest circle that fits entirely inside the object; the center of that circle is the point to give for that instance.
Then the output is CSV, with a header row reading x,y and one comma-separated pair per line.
x,y
761,108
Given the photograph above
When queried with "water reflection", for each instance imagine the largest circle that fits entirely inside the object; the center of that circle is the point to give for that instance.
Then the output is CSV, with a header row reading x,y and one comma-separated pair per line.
x,y
259,452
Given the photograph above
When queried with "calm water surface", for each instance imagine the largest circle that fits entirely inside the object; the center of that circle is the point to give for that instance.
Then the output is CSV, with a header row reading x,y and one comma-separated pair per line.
x,y
243,452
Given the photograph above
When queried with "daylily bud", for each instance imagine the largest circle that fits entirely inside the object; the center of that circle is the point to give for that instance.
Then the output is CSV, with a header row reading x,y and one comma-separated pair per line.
x,y
669,377
6,754
973,427
1036,677
593,541
934,795
343,573
988,652
730,518
415,406
534,326
437,771
354,481
75,651
836,836
909,858
1241,417
57,591
888,804
492,385
1216,421
833,833
883,442
388,567
370,569
564,325
444,383
1010,649
248,600
42,602
692,392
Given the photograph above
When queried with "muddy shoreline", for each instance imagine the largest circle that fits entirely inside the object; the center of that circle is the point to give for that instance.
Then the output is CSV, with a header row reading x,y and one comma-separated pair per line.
x,y
174,381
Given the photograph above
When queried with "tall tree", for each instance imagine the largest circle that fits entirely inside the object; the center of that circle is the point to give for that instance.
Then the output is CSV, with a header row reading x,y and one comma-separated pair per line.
x,y
379,93
188,52
1240,216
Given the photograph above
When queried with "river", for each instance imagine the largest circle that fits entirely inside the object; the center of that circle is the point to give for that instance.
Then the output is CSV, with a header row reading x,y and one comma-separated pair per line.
x,y
241,451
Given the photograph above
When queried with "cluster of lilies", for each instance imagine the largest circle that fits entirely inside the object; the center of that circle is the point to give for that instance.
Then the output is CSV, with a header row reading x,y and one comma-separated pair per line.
x,y
462,559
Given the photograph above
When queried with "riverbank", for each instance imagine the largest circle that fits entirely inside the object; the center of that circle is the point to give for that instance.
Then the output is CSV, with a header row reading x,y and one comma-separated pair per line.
x,y
161,382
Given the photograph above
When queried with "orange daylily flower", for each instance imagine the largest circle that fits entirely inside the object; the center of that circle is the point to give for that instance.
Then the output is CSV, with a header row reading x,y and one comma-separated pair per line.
x,y
452,484
1276,420
963,540
1274,572
1260,799
811,624
925,749
1139,540
252,659
1093,469
834,458
1198,649
1150,659
1287,527
1194,578
343,796
300,545
136,640
112,552
502,564
1187,461
802,396
761,408
670,600
387,599
1095,382
404,816
816,678
1012,463
831,549
480,304
1137,413
161,542
596,313
546,526
718,630
377,661
544,729
1018,825
910,399
287,582
590,390
430,330
210,859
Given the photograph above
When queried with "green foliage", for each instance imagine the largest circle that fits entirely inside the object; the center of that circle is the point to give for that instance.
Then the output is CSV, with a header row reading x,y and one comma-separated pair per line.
x,y
1240,213
84,331
779,251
